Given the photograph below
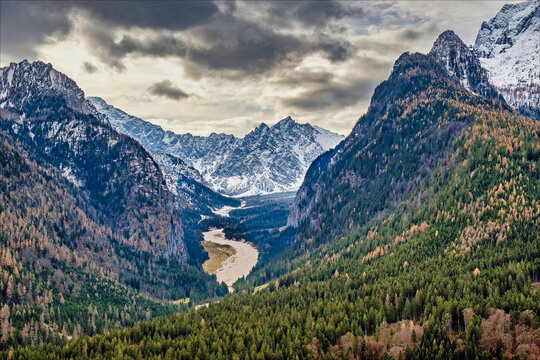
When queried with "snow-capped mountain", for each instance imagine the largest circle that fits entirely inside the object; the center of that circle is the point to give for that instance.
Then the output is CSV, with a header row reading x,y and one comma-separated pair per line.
x,y
508,47
272,159
267,160
458,60
187,186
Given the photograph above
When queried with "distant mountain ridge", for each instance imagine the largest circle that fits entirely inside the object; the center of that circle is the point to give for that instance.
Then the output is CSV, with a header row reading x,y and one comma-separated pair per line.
x,y
266,160
508,47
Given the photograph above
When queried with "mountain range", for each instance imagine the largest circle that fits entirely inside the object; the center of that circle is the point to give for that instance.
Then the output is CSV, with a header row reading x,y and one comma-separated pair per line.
x,y
267,160
415,237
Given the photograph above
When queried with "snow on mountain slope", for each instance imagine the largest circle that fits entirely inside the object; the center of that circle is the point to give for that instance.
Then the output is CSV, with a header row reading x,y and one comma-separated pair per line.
x,y
187,186
267,160
508,47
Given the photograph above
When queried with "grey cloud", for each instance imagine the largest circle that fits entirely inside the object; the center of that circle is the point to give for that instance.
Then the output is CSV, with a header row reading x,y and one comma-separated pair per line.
x,y
230,43
426,30
333,96
171,15
309,13
24,24
89,67
223,41
336,52
167,89
27,24
299,78
410,34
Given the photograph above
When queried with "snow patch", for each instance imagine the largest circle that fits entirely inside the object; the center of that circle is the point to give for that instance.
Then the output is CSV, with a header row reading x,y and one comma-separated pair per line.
x,y
67,173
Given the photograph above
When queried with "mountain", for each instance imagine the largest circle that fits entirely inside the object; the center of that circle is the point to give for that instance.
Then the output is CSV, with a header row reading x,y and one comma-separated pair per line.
x,y
90,236
458,60
50,116
508,47
188,187
21,82
57,257
417,239
386,149
266,160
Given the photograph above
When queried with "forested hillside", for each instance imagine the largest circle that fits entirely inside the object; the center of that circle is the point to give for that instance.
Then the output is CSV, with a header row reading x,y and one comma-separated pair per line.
x,y
89,239
438,192
52,284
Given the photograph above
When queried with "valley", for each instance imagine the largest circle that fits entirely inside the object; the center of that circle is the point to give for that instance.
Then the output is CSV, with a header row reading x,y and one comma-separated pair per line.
x,y
414,237
258,222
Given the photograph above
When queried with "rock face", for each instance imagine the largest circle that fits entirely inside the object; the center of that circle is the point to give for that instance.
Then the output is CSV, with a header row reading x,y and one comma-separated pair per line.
x,y
20,83
508,47
458,60
47,112
267,160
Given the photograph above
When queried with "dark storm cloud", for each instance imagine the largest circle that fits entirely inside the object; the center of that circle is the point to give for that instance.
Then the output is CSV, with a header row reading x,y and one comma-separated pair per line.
x,y
167,89
171,15
27,24
309,13
333,95
220,40
89,67
24,24
229,43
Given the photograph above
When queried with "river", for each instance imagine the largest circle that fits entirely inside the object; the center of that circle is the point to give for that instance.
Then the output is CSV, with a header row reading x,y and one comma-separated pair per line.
x,y
239,264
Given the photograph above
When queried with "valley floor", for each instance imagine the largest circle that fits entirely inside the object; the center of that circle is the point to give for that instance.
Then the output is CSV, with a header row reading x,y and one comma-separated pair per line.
x,y
237,265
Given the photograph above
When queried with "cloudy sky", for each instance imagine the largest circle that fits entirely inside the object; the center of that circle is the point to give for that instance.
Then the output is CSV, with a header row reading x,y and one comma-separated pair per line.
x,y
227,66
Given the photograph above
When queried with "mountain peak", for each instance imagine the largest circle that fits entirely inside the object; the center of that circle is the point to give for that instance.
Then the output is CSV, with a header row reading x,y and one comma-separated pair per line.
x,y
446,41
460,63
261,127
21,83
285,123
448,35
287,119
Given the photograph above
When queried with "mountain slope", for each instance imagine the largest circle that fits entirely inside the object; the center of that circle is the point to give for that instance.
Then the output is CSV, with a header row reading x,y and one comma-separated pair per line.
x,y
188,187
88,227
508,47
401,153
58,258
267,160
445,265
123,181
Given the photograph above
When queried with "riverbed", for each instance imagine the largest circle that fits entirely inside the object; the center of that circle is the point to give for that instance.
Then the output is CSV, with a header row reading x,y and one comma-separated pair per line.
x,y
239,264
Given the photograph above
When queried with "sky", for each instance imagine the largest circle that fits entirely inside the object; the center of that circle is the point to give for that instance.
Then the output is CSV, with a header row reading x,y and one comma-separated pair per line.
x,y
227,66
